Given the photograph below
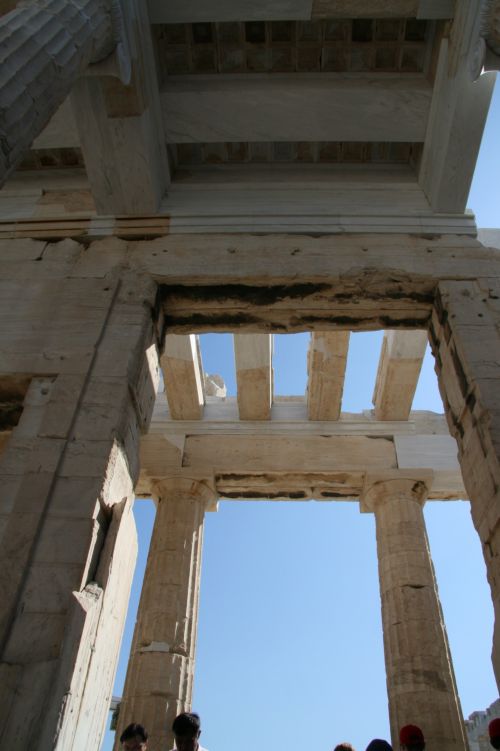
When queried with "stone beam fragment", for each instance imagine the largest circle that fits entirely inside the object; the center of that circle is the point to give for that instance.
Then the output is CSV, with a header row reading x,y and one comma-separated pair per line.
x,y
398,371
322,107
326,363
253,358
183,377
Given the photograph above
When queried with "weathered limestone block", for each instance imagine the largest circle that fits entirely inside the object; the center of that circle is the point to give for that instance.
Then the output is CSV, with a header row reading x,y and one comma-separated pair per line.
x,y
71,460
326,364
161,668
254,375
398,372
43,47
420,682
465,337
183,377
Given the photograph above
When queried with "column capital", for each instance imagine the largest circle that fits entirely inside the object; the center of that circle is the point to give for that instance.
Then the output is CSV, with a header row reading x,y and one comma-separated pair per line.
x,y
188,488
380,487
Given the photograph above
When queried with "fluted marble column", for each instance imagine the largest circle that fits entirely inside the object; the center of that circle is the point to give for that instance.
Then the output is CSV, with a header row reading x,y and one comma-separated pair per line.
x,y
420,681
160,674
44,46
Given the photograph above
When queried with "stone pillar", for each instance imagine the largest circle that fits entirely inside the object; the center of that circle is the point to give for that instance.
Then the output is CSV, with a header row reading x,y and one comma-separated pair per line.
x,y
420,682
160,674
45,45
465,339
67,476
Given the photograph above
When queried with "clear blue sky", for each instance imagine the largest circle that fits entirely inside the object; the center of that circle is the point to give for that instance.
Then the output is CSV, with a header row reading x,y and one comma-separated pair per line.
x,y
290,651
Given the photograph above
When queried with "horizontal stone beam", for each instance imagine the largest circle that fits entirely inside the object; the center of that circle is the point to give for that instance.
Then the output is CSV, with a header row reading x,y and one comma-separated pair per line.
x,y
301,454
289,416
242,197
398,371
296,107
222,453
357,264
402,271
253,360
357,282
383,9
321,308
183,377
325,486
192,11
276,199
326,364
282,107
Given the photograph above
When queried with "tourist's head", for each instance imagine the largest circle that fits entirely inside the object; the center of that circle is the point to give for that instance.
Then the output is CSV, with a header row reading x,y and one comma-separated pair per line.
x,y
411,738
494,732
344,747
134,738
377,744
187,729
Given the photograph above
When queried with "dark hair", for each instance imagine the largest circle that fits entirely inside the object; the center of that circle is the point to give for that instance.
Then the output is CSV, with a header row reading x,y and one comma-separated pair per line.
x,y
186,723
344,747
132,730
377,744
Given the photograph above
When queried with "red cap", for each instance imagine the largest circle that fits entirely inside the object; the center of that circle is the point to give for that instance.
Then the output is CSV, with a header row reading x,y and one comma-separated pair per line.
x,y
494,728
410,734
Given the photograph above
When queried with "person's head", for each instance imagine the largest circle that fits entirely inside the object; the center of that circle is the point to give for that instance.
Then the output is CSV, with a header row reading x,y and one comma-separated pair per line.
x,y
494,732
344,747
134,738
411,738
187,729
377,744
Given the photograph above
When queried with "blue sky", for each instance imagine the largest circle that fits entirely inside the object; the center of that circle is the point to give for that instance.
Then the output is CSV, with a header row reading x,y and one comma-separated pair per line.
x,y
290,648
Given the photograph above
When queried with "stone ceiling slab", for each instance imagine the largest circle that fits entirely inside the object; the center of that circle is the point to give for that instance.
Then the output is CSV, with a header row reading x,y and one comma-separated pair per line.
x,y
190,11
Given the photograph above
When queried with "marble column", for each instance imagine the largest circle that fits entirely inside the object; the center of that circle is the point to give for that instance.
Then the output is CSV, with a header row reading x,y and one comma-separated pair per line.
x,y
420,681
44,46
160,674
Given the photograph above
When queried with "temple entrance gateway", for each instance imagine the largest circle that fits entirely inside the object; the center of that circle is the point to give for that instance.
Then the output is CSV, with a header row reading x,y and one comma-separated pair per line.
x,y
340,459
170,171
231,457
